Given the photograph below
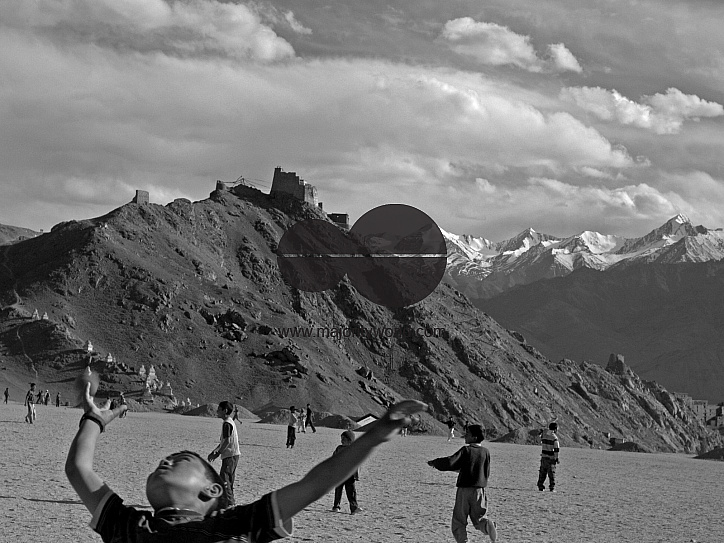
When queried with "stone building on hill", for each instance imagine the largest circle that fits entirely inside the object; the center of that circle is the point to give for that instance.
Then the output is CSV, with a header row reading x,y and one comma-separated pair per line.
x,y
340,219
711,415
290,183
141,197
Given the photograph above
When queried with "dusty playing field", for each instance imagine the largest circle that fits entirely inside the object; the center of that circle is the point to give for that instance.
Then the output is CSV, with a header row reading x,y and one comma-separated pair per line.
x,y
602,497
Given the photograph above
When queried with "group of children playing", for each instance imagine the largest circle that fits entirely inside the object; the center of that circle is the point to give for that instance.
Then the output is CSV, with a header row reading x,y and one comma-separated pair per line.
x,y
298,421
194,503
190,500
32,398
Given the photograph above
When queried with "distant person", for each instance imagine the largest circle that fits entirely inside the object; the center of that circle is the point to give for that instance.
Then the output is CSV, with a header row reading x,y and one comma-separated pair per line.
x,y
187,494
57,400
548,457
39,399
292,427
309,420
7,394
46,398
121,403
236,413
348,485
30,402
472,462
300,421
228,450
450,429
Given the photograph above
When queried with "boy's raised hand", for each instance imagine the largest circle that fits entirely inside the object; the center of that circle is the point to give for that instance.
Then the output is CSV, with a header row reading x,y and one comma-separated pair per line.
x,y
104,412
79,465
339,467
395,418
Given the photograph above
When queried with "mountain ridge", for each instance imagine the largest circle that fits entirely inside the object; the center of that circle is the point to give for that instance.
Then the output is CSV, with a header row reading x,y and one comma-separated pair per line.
x,y
193,288
530,256
665,317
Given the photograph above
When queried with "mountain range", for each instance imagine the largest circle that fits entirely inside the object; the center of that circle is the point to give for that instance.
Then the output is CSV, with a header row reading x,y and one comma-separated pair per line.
x,y
193,289
482,269
656,298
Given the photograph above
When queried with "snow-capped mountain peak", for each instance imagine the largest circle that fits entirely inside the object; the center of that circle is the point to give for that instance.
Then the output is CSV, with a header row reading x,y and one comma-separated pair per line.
x,y
519,244
482,268
592,242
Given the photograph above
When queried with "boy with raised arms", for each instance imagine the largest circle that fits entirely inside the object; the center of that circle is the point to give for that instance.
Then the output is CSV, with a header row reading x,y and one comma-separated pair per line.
x,y
187,494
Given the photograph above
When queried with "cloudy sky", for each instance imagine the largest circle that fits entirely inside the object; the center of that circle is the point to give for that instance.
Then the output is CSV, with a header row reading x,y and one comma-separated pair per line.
x,y
561,115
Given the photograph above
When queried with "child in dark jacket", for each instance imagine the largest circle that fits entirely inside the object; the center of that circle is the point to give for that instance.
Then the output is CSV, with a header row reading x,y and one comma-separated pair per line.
x,y
473,464
347,439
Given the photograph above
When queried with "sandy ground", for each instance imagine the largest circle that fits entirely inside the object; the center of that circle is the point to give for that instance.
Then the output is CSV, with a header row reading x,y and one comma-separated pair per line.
x,y
602,496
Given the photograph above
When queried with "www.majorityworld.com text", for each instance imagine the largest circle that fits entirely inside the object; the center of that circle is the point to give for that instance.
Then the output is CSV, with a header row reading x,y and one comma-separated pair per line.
x,y
346,332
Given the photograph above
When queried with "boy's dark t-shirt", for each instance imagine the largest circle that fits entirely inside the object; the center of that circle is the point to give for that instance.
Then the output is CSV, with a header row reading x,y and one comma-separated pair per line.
x,y
472,460
257,522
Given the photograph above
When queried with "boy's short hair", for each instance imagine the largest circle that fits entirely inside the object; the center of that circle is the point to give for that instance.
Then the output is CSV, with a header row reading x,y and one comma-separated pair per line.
x,y
228,407
292,409
477,432
553,426
212,475
349,434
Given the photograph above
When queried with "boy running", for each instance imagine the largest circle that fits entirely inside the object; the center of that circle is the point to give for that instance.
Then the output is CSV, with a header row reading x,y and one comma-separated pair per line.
x,y
473,464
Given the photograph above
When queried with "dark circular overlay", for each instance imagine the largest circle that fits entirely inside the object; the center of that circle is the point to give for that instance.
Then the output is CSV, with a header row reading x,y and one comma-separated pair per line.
x,y
394,255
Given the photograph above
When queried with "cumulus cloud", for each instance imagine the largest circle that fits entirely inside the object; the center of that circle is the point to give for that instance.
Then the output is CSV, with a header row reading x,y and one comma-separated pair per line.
x,y
183,28
485,186
660,113
563,59
295,25
272,15
490,43
86,120
701,194
497,45
642,199
500,209
595,173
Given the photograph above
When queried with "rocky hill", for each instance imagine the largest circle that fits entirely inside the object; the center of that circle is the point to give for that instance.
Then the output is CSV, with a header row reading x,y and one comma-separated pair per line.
x,y
194,290
11,234
667,318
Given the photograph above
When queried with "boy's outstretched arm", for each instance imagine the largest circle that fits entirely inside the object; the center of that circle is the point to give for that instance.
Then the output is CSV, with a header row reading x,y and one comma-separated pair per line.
x,y
79,464
340,467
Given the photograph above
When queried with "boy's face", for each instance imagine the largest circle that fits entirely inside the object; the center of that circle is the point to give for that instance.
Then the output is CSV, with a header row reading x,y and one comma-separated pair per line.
x,y
221,413
177,479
